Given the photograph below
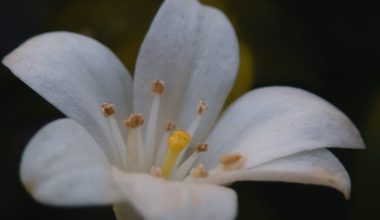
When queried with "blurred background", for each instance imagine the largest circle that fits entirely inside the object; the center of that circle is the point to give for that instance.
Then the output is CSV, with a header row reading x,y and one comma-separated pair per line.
x,y
330,48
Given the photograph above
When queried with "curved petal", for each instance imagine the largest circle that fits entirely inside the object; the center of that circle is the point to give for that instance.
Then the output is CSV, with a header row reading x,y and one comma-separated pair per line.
x,y
275,122
63,165
319,167
76,74
156,198
193,48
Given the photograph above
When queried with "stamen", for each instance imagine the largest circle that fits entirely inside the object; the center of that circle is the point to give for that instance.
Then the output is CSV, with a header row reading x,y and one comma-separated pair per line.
x,y
108,111
169,127
201,108
231,161
155,171
134,142
184,168
176,144
150,138
199,172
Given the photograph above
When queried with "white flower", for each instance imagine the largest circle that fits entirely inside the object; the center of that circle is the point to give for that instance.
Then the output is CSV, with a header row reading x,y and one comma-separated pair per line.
x,y
274,133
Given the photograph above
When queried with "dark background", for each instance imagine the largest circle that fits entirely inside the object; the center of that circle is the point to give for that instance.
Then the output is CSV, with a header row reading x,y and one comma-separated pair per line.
x,y
328,47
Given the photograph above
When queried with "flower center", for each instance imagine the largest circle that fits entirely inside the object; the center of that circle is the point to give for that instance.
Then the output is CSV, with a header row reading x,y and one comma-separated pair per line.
x,y
166,159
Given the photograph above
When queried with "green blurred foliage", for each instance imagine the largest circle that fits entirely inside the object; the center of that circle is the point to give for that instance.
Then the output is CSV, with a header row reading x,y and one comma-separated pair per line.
x,y
246,74
119,24
365,201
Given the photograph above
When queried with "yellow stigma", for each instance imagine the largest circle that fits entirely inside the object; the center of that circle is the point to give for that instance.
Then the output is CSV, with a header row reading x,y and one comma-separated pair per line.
x,y
178,140
176,143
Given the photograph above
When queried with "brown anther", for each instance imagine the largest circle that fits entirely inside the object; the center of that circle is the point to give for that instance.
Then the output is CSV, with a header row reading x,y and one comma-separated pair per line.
x,y
231,161
201,148
108,109
170,126
134,120
199,172
155,171
202,107
158,86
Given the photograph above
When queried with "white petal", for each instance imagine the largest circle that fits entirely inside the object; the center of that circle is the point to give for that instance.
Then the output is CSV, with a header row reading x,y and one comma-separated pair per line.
x,y
193,48
274,122
63,165
76,74
318,167
156,198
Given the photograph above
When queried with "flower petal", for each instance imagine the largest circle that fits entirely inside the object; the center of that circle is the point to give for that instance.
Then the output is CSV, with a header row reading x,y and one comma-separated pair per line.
x,y
193,48
63,165
275,122
76,74
156,198
318,167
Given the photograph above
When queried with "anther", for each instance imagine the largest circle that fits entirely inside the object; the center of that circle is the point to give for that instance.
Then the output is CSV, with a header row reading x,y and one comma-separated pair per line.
x,y
108,109
155,171
199,172
169,126
202,107
134,120
158,86
201,148
231,161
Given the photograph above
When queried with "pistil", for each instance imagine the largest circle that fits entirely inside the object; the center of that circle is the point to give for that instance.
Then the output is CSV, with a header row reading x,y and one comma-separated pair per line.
x,y
177,142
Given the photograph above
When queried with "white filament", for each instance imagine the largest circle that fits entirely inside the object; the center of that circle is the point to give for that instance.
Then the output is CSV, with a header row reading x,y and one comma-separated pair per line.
x,y
162,149
194,124
150,137
185,167
134,149
118,141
